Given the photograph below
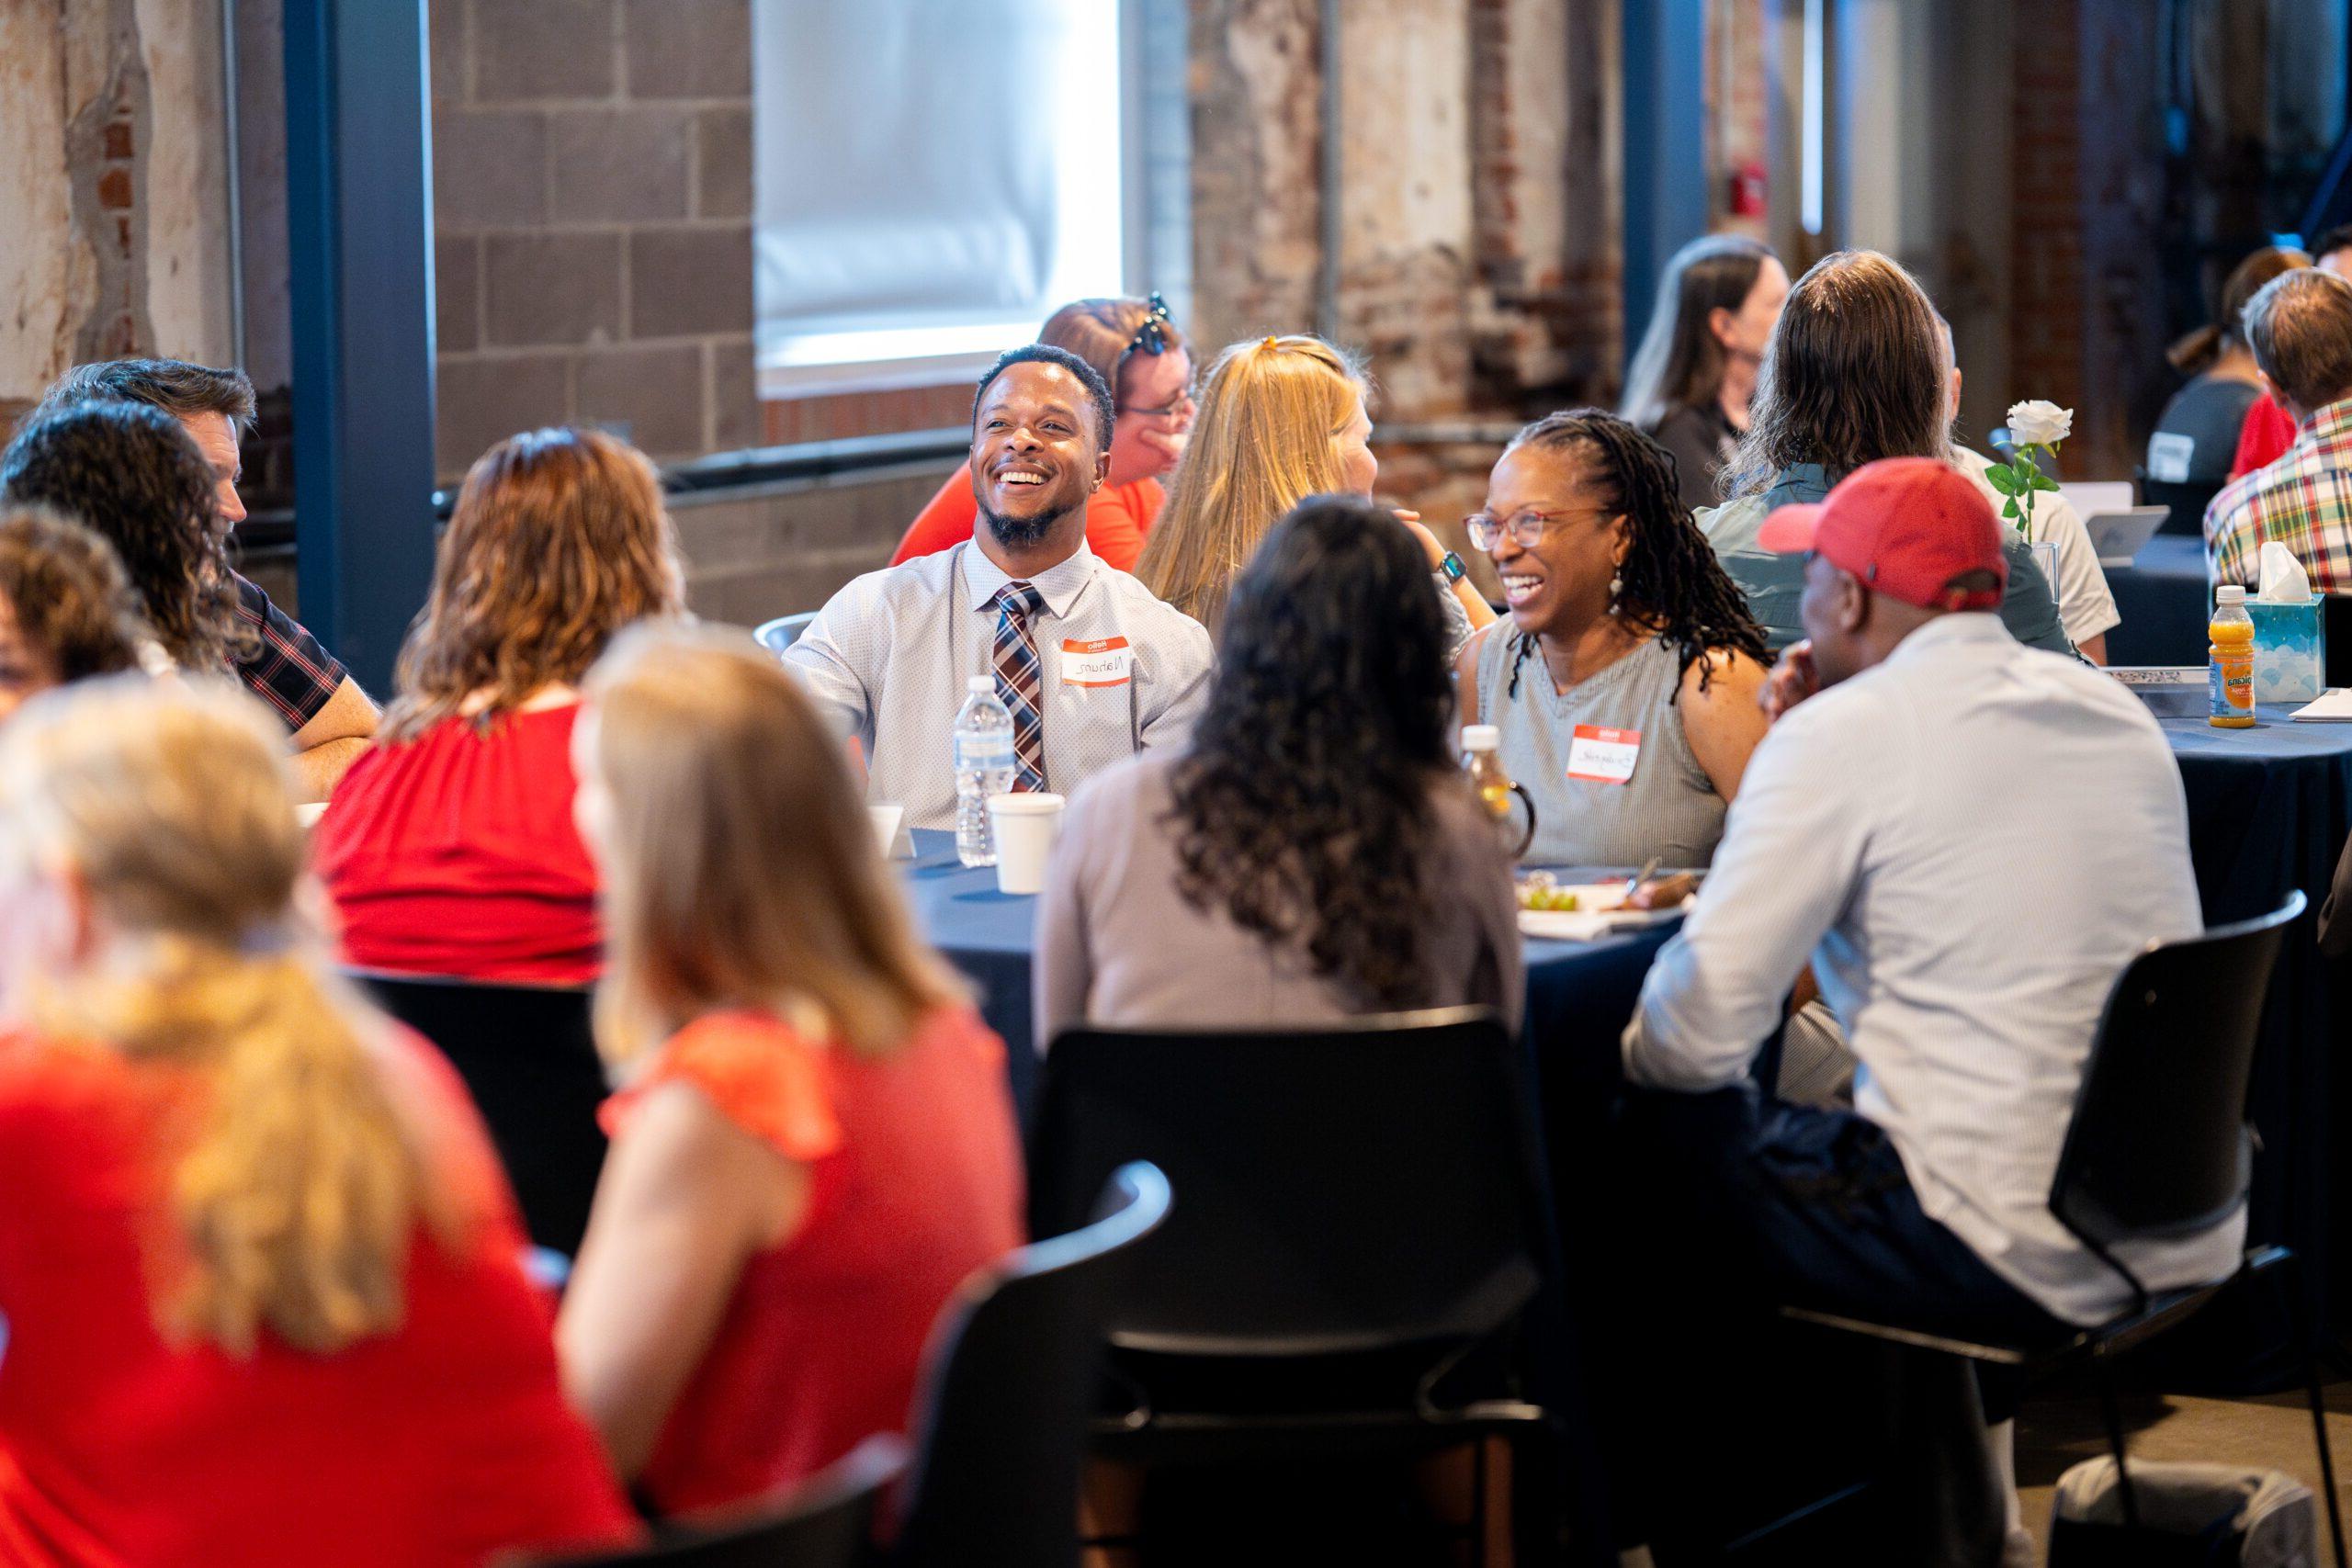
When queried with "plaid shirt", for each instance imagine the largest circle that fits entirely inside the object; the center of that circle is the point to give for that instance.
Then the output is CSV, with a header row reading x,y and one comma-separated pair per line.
x,y
287,669
2303,501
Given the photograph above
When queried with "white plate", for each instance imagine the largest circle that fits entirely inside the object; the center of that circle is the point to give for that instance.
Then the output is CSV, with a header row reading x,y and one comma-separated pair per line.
x,y
1598,911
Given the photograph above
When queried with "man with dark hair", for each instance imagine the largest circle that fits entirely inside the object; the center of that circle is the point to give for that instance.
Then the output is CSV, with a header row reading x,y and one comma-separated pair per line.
x,y
278,661
2299,328
1092,667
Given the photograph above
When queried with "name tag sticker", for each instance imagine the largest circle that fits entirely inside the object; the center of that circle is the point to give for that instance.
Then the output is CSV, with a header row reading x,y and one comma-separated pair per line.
x,y
1603,756
2169,457
1105,661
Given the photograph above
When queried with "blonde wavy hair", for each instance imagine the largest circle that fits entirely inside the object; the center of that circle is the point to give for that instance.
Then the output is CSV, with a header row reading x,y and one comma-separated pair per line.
x,y
740,867
559,539
1266,437
294,1172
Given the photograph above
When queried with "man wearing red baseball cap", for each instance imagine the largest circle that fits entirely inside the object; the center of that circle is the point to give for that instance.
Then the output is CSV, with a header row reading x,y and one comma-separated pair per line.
x,y
1967,840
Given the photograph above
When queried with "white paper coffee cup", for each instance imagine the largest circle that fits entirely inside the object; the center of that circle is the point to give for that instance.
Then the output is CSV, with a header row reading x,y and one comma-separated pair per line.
x,y
885,827
1025,826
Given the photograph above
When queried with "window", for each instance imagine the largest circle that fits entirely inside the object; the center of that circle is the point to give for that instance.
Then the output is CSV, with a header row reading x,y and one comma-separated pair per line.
x,y
933,178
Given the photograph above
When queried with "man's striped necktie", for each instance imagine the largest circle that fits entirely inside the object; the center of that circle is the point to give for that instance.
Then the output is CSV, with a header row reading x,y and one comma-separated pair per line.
x,y
1020,681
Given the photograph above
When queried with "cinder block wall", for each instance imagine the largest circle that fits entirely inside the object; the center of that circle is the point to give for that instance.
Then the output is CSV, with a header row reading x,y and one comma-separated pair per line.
x,y
592,221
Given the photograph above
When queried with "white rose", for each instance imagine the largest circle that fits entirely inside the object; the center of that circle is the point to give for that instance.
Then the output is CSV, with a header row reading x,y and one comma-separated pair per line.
x,y
2040,424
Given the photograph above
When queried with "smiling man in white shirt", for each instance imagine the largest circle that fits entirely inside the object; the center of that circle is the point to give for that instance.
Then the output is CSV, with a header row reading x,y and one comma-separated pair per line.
x,y
1968,839
1093,668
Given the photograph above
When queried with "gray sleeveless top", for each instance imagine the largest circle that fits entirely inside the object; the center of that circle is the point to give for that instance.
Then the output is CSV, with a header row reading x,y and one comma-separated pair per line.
x,y
1667,808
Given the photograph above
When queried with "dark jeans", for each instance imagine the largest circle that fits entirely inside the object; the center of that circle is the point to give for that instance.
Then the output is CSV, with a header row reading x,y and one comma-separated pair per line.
x,y
1736,1205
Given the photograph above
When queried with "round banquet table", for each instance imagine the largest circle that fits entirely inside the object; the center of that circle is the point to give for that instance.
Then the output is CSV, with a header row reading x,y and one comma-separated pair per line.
x,y
2269,808
1579,997
2162,597
1580,994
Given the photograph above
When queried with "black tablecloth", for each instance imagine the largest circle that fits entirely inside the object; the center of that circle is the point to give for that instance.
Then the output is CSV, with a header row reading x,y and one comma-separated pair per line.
x,y
1580,995
2267,812
2163,598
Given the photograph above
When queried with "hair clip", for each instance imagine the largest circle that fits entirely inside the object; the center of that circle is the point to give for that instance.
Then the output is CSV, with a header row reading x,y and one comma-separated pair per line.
x,y
1269,341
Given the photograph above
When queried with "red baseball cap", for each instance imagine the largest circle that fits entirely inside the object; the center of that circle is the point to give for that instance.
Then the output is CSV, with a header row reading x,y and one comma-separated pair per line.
x,y
1906,527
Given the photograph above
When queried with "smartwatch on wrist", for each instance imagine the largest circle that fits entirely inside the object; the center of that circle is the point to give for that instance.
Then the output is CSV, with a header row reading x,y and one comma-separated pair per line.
x,y
1451,568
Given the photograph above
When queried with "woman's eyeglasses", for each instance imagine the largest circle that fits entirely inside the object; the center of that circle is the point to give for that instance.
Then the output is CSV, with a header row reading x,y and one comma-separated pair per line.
x,y
1526,528
1152,338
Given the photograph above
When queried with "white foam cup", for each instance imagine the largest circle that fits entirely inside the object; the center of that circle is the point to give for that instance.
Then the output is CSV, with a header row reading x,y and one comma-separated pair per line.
x,y
886,826
1024,827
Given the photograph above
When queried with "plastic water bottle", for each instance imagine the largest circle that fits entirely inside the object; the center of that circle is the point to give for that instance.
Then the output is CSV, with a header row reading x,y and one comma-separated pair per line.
x,y
983,742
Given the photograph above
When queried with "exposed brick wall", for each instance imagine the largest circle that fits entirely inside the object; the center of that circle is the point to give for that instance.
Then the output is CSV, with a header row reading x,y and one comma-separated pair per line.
x,y
1738,110
2047,204
592,235
1482,311
830,418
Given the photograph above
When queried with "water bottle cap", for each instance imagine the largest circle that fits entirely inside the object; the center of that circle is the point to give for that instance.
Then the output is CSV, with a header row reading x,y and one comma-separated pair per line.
x,y
982,685
2229,594
1481,737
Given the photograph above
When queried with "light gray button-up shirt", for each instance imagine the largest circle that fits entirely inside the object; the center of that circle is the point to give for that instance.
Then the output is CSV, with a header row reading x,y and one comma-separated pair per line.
x,y
889,657
1970,839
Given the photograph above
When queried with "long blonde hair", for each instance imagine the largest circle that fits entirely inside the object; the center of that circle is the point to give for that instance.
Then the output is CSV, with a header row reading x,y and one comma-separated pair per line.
x,y
739,865
1266,439
294,1178
559,539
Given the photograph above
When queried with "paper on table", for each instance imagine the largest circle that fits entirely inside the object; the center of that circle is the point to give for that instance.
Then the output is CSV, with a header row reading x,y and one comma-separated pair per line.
x,y
2334,707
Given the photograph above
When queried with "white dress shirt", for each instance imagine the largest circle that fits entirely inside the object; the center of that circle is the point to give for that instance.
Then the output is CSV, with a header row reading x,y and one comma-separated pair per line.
x,y
889,655
1971,839
2085,603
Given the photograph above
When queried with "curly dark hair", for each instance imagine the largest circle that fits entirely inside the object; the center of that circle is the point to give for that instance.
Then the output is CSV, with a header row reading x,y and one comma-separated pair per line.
x,y
1304,804
127,472
1673,582
1106,413
67,592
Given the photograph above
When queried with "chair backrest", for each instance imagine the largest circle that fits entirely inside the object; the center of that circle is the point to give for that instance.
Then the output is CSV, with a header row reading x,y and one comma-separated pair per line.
x,y
2189,499
784,631
1009,1383
2158,1146
827,1521
527,1054
1343,1189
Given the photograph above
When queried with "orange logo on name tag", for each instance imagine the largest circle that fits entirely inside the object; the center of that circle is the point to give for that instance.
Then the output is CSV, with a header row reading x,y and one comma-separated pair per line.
x,y
1104,662
1603,756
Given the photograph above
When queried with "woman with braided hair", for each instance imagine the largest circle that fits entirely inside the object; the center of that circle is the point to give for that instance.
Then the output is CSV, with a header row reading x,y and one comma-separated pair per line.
x,y
1624,680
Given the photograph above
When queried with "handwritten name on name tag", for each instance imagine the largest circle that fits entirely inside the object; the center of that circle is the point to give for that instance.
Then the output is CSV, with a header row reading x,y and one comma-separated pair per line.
x,y
1603,756
1104,662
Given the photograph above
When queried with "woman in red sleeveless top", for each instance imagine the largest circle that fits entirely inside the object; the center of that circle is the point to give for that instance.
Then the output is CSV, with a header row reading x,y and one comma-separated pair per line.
x,y
815,1144
448,847
261,1275
1143,358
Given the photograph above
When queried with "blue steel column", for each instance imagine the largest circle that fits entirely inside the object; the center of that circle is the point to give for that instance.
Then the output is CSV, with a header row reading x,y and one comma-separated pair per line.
x,y
1665,159
358,160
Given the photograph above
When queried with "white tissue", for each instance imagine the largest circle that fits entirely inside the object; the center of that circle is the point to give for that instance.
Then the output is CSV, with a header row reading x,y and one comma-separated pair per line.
x,y
2283,581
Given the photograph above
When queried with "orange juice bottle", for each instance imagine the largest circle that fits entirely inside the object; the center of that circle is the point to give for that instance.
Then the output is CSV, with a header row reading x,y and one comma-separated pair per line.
x,y
1482,749
2230,667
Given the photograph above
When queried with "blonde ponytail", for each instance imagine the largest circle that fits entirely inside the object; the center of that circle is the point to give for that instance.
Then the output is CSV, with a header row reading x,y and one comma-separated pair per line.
x,y
295,1176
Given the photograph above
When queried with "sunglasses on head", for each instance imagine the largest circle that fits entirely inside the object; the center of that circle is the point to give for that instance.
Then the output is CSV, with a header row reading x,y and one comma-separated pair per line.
x,y
1152,337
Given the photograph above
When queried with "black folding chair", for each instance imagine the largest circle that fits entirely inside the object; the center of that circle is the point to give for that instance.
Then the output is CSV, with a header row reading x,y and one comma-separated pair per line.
x,y
827,1521
2188,499
1010,1379
2158,1148
1360,1230
529,1056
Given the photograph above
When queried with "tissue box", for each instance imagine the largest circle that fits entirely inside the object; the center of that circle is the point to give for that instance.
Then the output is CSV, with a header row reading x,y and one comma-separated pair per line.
x,y
2290,651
